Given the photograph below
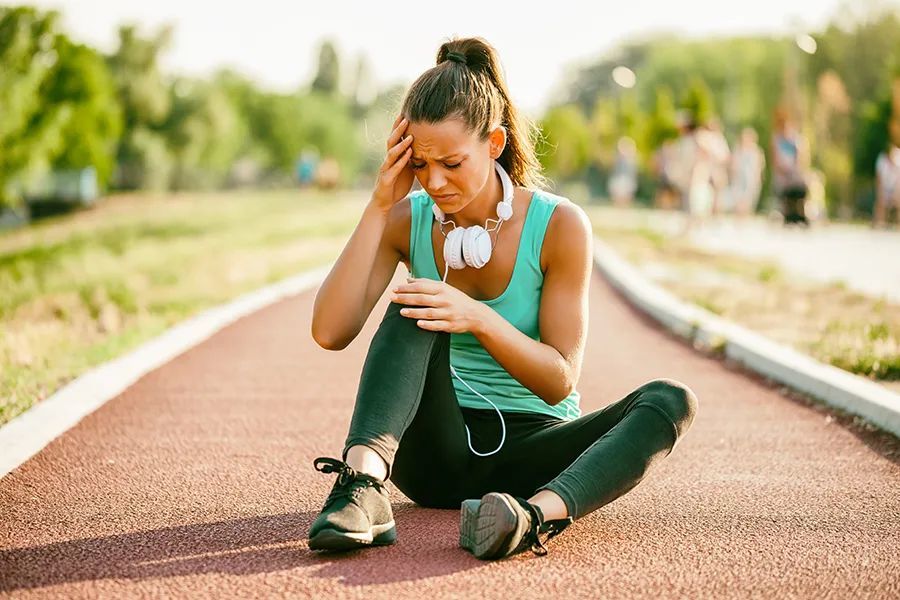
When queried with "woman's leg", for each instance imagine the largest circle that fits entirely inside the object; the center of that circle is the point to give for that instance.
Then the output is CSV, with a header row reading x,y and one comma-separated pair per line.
x,y
407,411
592,460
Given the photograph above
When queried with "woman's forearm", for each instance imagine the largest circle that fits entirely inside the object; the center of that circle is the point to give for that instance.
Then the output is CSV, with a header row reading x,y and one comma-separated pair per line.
x,y
537,366
341,297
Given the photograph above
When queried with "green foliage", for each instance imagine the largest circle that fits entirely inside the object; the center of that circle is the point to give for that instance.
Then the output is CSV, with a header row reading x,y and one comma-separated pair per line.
x,y
661,120
698,101
205,134
566,145
841,93
81,80
143,158
31,129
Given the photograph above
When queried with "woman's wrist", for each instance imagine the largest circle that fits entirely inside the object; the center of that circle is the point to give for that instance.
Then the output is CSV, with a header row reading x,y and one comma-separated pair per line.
x,y
373,210
481,321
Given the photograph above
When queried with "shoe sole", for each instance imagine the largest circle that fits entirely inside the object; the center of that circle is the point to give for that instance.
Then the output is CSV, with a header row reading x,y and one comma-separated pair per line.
x,y
334,540
468,523
495,522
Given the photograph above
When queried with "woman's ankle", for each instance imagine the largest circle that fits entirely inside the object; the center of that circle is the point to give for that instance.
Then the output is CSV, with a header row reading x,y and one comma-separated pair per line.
x,y
363,459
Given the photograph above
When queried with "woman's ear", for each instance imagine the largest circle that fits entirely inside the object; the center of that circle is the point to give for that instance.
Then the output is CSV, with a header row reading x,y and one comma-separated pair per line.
x,y
497,139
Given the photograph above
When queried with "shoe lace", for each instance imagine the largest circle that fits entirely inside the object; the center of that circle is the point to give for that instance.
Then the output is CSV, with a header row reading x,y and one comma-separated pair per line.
x,y
350,482
532,539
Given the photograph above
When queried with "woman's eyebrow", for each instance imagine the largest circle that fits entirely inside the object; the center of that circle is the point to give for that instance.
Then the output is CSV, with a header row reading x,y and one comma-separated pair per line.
x,y
451,155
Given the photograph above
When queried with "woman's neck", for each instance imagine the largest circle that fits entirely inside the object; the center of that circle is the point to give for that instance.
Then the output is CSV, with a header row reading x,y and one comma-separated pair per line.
x,y
483,207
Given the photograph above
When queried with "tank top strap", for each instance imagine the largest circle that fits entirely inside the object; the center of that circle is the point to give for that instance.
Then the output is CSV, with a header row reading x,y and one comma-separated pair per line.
x,y
539,212
420,250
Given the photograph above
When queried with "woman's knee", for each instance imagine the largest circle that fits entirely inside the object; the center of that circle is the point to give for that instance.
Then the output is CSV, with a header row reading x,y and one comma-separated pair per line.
x,y
674,398
394,325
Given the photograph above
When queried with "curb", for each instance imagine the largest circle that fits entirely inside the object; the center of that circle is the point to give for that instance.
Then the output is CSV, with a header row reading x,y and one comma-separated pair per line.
x,y
27,434
829,384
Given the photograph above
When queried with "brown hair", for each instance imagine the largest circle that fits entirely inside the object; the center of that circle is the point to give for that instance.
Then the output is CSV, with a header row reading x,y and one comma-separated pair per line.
x,y
476,93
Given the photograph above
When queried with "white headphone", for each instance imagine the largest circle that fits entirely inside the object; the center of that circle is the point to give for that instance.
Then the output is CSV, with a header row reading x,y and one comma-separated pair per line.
x,y
472,245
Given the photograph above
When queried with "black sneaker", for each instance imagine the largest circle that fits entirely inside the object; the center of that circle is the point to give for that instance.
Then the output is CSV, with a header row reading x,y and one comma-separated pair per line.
x,y
501,525
356,514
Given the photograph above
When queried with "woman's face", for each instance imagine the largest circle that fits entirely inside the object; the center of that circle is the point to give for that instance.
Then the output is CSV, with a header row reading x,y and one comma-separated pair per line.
x,y
451,163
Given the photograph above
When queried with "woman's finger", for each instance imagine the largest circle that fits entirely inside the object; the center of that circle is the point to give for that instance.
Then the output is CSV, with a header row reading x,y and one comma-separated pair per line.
x,y
399,128
434,325
394,170
414,299
397,150
421,313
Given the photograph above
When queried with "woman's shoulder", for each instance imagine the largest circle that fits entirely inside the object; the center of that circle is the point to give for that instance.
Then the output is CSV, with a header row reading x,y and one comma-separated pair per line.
x,y
569,226
563,208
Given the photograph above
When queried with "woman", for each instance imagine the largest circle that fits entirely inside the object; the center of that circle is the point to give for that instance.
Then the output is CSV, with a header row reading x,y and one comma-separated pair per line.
x,y
507,325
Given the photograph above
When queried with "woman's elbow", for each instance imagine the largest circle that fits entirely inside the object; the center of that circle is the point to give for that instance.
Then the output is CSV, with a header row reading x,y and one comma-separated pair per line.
x,y
559,396
328,342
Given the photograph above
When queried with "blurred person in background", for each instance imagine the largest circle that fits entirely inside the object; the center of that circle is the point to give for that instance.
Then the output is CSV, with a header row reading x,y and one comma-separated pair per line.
x,y
693,172
719,154
666,191
790,168
747,164
623,181
306,166
328,173
887,179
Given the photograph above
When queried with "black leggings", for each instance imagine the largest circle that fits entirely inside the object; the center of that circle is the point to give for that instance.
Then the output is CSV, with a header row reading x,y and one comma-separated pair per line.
x,y
407,411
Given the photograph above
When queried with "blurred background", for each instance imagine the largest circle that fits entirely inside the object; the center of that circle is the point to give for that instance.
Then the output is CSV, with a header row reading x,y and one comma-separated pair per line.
x,y
158,158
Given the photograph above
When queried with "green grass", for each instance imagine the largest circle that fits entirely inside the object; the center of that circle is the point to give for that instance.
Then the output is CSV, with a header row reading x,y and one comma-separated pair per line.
x,y
80,290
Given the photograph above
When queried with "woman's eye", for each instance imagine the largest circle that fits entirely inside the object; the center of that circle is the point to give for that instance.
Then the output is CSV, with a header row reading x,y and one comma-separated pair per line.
x,y
417,167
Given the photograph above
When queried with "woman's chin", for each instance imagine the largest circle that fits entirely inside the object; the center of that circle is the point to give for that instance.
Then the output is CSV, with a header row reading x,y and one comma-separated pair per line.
x,y
449,205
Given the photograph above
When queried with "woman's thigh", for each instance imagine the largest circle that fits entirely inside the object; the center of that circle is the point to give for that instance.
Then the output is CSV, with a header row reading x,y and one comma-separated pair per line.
x,y
533,460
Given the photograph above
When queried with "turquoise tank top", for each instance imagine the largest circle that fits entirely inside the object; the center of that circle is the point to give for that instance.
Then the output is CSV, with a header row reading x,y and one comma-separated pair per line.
x,y
519,304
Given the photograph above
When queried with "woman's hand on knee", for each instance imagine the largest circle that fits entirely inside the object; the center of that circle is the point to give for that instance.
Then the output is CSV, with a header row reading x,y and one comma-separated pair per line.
x,y
439,306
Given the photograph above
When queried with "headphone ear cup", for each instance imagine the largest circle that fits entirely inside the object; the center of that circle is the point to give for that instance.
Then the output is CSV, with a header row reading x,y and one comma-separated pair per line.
x,y
476,246
453,248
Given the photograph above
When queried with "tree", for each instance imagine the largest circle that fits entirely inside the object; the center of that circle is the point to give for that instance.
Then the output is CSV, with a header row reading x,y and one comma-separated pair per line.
x,y
143,159
327,79
81,81
565,148
698,101
31,129
661,124
204,132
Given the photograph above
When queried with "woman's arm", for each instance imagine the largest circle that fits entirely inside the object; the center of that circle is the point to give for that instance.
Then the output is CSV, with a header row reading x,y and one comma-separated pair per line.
x,y
358,278
369,259
550,368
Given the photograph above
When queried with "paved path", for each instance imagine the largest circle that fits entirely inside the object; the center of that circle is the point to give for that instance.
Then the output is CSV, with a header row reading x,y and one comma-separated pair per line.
x,y
198,482
865,260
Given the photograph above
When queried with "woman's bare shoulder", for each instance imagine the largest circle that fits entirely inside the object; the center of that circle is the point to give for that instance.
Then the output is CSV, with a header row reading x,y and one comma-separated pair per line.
x,y
569,225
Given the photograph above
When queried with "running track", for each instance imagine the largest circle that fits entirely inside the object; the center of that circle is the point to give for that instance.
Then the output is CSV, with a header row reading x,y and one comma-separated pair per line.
x,y
198,482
